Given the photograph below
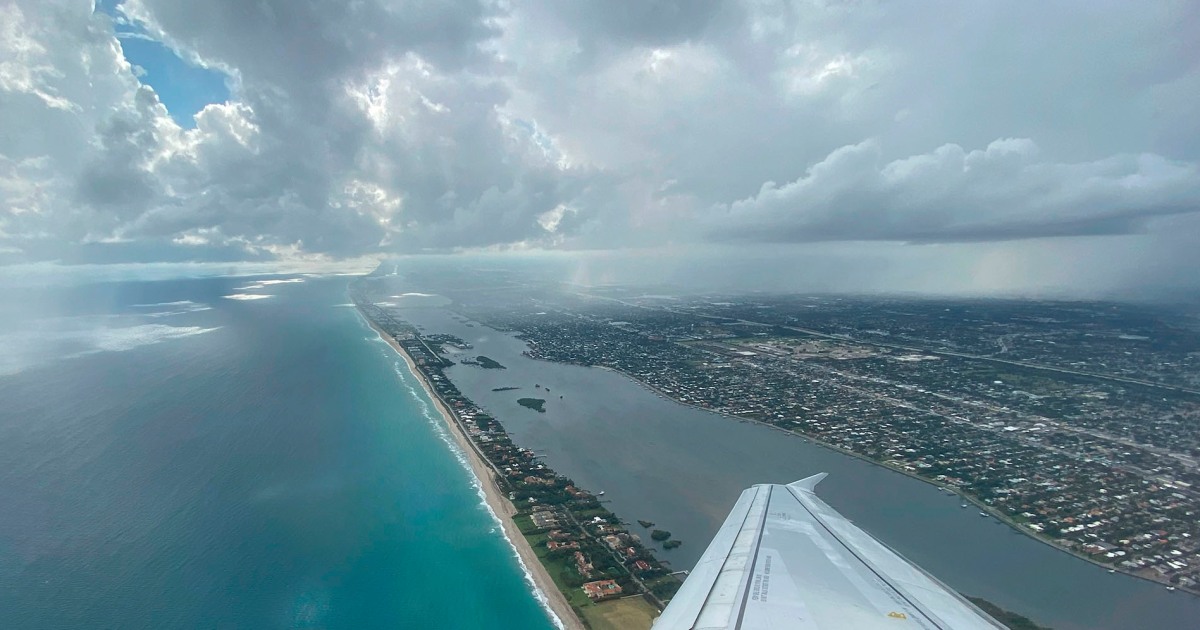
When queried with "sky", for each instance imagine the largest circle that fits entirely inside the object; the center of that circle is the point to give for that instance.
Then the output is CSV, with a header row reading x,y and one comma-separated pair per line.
x,y
946,146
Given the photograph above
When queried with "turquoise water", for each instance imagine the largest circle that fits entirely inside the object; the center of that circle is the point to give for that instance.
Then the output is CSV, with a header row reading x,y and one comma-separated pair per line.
x,y
172,458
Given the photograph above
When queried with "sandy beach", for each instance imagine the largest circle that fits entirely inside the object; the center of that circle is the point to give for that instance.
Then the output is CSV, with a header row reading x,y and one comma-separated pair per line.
x,y
500,505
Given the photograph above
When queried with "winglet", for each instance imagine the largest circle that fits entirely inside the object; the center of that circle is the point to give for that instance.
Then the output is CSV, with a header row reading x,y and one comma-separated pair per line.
x,y
808,483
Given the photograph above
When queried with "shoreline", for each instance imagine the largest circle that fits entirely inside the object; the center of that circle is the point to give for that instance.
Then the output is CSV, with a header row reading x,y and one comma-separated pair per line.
x,y
991,511
551,599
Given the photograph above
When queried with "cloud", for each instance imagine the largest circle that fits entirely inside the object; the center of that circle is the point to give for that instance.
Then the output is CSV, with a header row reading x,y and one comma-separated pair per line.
x,y
391,127
1003,192
293,164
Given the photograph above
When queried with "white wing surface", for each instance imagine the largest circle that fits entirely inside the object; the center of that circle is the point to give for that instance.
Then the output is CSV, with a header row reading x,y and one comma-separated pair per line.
x,y
784,559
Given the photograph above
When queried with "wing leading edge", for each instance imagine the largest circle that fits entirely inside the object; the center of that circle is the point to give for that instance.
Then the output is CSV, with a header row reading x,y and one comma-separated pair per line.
x,y
785,559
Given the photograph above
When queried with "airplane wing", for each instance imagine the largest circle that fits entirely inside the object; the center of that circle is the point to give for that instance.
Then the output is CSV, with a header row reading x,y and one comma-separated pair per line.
x,y
785,559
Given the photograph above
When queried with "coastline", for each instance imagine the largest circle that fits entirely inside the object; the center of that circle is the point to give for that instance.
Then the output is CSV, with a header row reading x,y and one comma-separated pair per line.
x,y
991,511
502,509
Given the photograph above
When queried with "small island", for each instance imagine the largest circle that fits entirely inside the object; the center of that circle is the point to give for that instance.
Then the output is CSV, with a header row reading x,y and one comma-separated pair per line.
x,y
661,535
1010,619
537,404
645,523
448,340
488,363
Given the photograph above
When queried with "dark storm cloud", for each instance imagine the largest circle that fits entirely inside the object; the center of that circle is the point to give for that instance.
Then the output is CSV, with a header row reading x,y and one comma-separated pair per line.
x,y
117,175
297,44
637,22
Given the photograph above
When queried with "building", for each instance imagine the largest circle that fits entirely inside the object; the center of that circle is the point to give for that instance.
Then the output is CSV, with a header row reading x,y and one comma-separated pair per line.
x,y
582,565
601,589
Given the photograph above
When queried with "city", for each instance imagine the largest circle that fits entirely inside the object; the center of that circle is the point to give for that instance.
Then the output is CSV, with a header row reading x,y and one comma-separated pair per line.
x,y
1010,405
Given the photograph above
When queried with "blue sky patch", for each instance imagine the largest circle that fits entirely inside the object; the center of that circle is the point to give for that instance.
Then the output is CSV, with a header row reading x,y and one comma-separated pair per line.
x,y
184,88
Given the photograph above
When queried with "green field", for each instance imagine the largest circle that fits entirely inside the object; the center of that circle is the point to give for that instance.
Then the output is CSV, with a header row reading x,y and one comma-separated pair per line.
x,y
629,613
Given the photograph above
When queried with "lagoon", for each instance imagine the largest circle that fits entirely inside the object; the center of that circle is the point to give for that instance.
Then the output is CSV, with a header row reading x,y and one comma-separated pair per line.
x,y
683,468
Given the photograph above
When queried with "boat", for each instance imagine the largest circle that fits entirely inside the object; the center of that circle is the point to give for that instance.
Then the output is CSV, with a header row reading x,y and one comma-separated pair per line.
x,y
600,494
1170,588
963,505
983,514
1112,570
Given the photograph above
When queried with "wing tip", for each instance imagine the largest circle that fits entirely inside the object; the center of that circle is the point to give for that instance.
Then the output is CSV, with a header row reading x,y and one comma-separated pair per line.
x,y
809,483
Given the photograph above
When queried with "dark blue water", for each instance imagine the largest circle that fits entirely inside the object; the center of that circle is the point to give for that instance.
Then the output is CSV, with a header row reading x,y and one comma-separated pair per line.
x,y
171,458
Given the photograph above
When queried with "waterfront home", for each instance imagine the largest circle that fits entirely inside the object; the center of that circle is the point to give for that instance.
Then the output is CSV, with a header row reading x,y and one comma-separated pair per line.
x,y
601,589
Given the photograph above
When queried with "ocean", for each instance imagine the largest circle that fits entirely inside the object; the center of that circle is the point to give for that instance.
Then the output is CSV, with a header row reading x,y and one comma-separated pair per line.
x,y
182,454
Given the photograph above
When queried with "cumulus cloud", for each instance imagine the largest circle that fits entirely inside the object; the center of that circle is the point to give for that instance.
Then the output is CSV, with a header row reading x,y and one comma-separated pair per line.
x,y
302,160
1005,191
394,127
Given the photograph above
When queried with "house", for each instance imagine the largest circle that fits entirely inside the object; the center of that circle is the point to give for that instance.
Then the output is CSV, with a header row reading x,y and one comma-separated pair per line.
x,y
582,565
601,589
544,520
